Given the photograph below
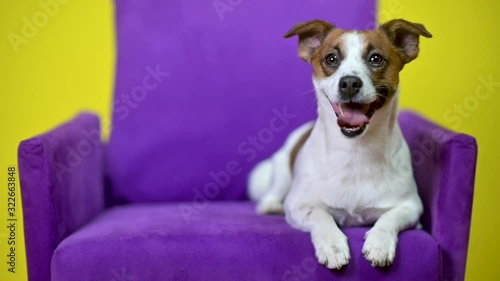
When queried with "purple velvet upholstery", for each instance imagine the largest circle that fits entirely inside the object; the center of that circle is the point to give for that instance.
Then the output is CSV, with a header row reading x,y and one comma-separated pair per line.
x,y
227,241
200,99
61,176
444,165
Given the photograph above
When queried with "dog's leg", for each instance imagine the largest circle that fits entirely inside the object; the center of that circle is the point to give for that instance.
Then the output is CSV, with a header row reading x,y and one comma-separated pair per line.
x,y
330,244
272,202
381,241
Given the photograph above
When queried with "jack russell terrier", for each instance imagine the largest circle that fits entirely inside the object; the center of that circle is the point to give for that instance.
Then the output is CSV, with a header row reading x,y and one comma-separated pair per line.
x,y
348,167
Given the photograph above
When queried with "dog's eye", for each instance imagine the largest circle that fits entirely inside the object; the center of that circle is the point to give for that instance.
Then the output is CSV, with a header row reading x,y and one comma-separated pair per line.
x,y
376,60
332,60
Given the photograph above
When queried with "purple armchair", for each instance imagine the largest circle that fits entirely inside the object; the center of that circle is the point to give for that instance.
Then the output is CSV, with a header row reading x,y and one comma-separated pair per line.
x,y
204,90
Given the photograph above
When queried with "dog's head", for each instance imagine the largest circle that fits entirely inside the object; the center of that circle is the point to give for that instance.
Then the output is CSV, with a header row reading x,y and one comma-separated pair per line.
x,y
357,71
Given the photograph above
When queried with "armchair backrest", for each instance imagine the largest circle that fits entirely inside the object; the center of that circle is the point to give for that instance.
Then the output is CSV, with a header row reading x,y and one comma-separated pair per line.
x,y
206,89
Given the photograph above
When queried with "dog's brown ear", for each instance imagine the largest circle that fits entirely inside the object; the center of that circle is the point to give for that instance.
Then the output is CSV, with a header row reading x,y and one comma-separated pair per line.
x,y
311,35
405,35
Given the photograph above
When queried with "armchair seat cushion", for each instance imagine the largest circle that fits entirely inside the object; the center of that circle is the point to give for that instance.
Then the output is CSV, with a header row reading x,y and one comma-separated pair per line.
x,y
220,241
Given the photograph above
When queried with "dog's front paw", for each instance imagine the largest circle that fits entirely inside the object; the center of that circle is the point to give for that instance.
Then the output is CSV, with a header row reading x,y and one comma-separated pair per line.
x,y
331,249
380,247
270,205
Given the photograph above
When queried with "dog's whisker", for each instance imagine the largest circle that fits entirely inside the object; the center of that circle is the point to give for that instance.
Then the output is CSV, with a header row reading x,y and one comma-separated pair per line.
x,y
381,86
313,101
305,93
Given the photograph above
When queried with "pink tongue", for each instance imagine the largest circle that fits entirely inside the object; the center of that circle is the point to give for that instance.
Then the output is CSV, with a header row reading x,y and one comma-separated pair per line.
x,y
353,117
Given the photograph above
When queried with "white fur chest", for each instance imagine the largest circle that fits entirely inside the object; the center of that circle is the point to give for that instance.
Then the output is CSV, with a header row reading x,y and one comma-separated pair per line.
x,y
354,200
356,183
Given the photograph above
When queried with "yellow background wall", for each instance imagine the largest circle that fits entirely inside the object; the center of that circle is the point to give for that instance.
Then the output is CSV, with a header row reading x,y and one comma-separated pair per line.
x,y
63,65
448,76
66,63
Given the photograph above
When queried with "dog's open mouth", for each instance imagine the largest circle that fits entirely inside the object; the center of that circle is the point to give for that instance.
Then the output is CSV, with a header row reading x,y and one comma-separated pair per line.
x,y
353,118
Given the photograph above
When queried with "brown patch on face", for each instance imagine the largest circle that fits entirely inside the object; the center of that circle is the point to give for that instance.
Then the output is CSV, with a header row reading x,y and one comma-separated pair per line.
x,y
333,44
385,77
298,146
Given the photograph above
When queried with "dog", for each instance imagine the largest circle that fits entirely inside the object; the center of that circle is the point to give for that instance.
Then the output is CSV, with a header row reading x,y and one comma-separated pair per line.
x,y
351,166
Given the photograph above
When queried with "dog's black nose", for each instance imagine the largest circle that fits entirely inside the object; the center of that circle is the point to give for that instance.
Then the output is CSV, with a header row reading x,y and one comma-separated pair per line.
x,y
350,85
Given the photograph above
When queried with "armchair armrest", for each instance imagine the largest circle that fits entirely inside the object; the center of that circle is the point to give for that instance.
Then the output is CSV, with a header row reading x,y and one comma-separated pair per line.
x,y
444,165
61,177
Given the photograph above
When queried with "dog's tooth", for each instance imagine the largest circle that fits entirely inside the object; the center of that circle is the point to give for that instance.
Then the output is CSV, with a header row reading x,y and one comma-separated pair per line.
x,y
340,109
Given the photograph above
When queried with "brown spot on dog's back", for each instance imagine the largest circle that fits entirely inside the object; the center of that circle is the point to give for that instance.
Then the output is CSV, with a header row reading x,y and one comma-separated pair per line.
x,y
298,146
